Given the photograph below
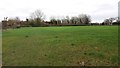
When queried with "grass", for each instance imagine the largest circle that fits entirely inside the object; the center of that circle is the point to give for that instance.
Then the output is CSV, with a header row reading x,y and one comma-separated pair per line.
x,y
0,47
61,46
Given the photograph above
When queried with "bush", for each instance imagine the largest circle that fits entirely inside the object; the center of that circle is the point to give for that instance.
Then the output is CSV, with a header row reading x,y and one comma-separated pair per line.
x,y
116,23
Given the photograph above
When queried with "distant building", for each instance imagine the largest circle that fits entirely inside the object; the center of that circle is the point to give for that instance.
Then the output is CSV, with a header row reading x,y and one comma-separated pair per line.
x,y
119,10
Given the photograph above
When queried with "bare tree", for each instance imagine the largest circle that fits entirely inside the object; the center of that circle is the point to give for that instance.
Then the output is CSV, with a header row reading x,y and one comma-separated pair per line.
x,y
68,19
85,19
106,22
111,20
14,22
37,15
74,20
37,18
53,20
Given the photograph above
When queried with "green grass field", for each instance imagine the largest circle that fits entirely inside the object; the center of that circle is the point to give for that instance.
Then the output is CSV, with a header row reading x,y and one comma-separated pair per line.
x,y
0,47
61,46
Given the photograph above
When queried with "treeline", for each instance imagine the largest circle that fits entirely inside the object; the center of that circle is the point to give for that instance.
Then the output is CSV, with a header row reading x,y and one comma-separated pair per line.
x,y
109,21
37,19
82,19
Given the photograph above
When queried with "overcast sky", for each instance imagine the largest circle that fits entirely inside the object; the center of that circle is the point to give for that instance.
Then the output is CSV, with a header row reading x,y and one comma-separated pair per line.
x,y
97,9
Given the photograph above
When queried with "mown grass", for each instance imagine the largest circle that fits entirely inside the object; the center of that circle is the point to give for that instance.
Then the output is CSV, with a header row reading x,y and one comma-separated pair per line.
x,y
0,47
61,46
